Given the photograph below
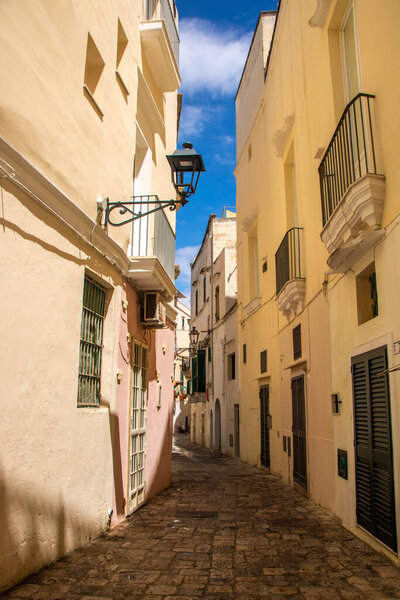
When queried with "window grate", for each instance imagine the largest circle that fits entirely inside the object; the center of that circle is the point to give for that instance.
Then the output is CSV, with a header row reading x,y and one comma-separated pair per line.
x,y
91,344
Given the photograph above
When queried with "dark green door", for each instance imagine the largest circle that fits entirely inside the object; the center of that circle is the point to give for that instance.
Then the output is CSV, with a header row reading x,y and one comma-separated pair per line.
x,y
265,422
299,432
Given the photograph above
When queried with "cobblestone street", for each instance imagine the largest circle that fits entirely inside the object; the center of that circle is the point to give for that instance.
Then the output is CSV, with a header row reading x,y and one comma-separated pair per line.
x,y
223,530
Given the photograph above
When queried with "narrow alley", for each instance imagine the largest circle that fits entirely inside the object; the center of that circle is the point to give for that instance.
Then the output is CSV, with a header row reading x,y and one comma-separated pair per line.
x,y
223,530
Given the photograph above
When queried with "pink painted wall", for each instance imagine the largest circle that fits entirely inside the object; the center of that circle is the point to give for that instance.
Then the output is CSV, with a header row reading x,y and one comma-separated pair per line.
x,y
159,418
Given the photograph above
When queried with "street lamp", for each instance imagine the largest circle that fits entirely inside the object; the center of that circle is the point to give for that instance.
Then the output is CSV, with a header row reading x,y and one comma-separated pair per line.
x,y
193,342
186,166
194,336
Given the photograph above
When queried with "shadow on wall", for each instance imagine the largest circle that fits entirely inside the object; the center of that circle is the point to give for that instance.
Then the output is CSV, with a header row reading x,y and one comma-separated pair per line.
x,y
36,530
161,478
119,491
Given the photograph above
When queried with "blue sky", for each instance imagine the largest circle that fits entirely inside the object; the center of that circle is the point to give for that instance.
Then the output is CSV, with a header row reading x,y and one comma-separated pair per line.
x,y
215,39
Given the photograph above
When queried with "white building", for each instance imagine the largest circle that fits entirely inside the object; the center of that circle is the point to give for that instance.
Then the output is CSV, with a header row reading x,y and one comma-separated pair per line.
x,y
214,287
181,368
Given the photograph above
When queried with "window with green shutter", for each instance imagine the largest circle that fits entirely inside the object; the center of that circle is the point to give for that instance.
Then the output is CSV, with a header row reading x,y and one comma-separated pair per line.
x,y
91,344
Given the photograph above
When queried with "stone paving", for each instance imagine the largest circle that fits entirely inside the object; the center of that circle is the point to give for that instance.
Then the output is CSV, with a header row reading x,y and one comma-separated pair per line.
x,y
224,530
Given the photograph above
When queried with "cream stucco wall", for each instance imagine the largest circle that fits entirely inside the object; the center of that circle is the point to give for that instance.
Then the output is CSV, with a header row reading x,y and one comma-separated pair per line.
x,y
64,468
302,102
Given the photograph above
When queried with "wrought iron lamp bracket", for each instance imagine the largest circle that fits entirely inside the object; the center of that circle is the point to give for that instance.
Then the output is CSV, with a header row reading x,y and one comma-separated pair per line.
x,y
138,207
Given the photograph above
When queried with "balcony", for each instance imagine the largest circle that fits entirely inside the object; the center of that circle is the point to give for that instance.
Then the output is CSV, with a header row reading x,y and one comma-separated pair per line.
x,y
152,261
160,42
352,188
290,281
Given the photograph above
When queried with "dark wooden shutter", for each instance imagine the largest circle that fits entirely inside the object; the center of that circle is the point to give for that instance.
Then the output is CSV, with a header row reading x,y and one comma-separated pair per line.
x,y
373,446
299,432
265,425
297,342
201,370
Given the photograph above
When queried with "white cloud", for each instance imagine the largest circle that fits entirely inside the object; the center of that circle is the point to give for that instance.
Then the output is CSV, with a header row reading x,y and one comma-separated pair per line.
x,y
193,120
211,59
184,256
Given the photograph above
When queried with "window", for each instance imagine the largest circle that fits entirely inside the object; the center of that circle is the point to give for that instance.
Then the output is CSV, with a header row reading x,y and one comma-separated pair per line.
x,y
91,344
93,81
121,71
204,290
349,56
367,294
253,266
244,354
196,302
263,361
292,208
217,303
231,366
297,342
199,372
183,322
209,354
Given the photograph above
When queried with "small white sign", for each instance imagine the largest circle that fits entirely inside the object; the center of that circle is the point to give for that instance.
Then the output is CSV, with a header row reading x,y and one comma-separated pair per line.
x,y
396,347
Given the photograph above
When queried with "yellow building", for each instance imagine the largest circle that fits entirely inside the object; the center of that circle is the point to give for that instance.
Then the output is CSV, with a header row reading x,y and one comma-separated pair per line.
x,y
318,268
88,110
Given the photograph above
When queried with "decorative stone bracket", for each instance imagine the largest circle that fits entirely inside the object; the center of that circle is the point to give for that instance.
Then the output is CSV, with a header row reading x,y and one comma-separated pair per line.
x,y
290,299
360,212
321,12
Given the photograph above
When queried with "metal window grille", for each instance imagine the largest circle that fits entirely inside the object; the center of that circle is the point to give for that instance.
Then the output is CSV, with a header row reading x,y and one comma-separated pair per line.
x,y
91,344
297,342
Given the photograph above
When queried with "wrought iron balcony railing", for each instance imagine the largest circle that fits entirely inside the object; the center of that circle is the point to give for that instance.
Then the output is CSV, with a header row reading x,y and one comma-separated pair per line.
x,y
161,10
350,154
288,258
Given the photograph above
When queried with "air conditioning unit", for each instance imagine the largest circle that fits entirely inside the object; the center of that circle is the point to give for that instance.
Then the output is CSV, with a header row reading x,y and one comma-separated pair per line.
x,y
154,311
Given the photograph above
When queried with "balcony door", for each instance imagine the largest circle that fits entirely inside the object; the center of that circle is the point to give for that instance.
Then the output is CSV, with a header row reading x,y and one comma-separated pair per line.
x,y
140,234
137,433
350,60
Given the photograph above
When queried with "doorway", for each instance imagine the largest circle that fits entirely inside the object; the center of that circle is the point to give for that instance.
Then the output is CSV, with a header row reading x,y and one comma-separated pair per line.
x,y
375,507
137,434
236,419
211,430
265,422
299,432
217,446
